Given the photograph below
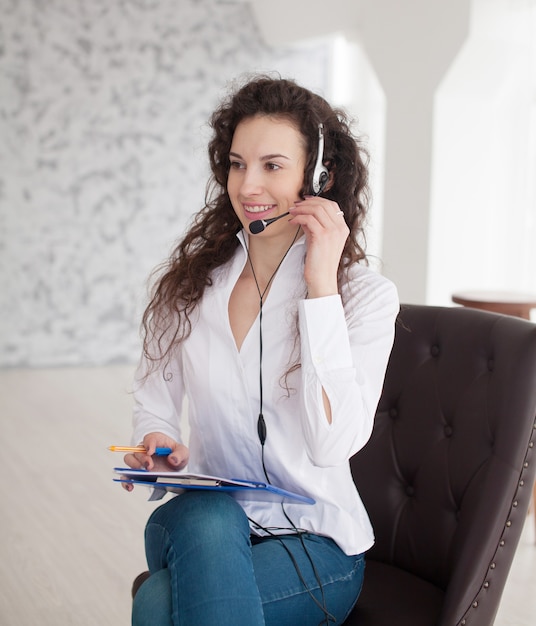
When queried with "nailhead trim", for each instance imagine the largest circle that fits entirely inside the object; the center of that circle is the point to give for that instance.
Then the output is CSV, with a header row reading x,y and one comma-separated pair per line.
x,y
508,524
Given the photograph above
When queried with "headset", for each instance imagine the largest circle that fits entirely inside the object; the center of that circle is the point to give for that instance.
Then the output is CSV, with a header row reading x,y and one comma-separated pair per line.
x,y
320,174
320,180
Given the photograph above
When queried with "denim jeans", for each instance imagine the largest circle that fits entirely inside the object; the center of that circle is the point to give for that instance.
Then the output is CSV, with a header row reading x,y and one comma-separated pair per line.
x,y
207,571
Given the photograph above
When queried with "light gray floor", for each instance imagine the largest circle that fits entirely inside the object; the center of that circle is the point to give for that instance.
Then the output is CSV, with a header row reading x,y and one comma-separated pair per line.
x,y
71,539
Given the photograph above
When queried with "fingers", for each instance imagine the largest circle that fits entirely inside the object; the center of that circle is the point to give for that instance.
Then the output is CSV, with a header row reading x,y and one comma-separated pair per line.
x,y
326,233
150,461
136,461
152,441
179,456
176,460
131,461
322,221
315,212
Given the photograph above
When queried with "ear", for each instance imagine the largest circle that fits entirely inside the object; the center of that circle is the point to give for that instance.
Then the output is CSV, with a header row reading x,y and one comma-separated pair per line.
x,y
330,182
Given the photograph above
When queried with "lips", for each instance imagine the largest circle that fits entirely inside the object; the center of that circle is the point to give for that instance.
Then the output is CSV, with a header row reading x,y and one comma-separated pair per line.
x,y
258,210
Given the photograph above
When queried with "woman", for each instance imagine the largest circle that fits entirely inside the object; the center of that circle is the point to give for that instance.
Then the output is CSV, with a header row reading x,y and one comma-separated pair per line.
x,y
280,341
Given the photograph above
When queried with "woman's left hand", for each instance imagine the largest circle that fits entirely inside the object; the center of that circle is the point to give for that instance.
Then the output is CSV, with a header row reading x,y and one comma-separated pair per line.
x,y
326,232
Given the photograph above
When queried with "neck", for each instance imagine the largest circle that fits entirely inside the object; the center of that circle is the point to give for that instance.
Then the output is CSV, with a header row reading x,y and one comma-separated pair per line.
x,y
265,258
266,253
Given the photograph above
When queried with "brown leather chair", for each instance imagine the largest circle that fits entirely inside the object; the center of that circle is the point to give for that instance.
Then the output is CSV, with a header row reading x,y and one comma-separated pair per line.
x,y
447,475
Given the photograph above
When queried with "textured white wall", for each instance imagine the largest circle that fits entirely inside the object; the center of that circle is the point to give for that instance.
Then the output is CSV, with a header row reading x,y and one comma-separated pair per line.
x,y
103,109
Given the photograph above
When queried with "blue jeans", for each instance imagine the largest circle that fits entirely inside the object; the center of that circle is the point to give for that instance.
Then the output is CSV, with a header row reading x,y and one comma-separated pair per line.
x,y
206,570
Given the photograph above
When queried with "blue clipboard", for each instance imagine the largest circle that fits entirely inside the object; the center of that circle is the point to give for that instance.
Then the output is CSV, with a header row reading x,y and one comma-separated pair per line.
x,y
238,488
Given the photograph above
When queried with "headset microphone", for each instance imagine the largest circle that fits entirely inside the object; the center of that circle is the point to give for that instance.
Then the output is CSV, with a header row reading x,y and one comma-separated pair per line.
x,y
258,226
320,179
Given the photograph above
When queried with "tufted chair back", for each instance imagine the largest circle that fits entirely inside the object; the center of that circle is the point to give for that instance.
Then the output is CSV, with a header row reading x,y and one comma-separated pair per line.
x,y
448,472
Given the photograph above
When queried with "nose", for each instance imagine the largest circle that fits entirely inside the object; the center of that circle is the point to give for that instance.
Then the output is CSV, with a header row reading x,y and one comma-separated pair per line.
x,y
252,182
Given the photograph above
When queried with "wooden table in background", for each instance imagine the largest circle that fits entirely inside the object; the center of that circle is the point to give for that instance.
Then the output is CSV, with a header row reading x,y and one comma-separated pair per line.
x,y
505,302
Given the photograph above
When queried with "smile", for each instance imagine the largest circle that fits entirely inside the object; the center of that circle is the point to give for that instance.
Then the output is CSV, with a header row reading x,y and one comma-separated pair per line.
x,y
258,208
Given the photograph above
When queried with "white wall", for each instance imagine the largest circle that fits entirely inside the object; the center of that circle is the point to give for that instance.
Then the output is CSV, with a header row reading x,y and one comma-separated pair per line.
x,y
483,205
454,93
102,145
408,46
103,109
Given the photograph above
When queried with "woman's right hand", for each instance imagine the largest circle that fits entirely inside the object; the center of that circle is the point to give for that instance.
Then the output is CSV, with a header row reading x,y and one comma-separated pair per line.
x,y
148,460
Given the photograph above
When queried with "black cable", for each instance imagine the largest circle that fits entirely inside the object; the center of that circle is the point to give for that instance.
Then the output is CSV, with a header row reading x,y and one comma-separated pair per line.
x,y
261,424
328,617
262,432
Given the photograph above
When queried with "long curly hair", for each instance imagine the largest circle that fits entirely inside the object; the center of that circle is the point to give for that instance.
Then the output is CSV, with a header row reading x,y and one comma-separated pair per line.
x,y
211,239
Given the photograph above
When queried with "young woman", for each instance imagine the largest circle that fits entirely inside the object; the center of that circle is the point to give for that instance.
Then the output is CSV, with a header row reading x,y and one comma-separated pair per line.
x,y
279,335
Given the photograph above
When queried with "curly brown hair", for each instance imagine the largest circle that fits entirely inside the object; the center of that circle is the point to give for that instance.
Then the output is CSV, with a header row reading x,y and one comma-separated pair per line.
x,y
211,239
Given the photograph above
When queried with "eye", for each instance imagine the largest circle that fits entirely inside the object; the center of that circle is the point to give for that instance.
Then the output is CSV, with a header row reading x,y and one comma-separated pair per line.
x,y
236,165
273,167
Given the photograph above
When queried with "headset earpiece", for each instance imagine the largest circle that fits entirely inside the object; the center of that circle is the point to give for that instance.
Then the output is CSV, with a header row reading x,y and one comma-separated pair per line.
x,y
320,174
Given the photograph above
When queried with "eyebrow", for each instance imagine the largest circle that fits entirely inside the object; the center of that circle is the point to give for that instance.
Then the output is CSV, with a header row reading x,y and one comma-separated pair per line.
x,y
267,157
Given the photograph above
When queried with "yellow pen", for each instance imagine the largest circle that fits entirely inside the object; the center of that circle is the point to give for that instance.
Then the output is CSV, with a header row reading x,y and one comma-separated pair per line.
x,y
158,451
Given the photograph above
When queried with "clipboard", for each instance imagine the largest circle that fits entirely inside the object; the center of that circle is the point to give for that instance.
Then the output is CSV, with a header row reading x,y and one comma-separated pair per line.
x,y
178,482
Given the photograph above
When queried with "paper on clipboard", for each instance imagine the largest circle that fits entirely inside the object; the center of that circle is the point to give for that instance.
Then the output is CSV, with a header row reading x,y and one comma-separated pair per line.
x,y
178,482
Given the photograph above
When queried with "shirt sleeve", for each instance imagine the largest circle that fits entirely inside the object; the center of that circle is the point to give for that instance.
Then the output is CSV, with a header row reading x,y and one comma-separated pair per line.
x,y
344,351
158,398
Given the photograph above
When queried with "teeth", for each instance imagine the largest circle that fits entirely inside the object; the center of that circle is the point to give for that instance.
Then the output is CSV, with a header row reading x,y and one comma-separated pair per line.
x,y
259,208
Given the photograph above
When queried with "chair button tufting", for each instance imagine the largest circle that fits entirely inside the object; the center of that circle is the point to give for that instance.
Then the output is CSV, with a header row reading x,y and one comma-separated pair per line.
x,y
410,491
393,412
448,430
434,350
491,365
492,566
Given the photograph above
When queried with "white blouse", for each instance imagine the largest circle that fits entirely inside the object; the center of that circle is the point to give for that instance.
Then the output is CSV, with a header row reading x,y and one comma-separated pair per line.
x,y
342,349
